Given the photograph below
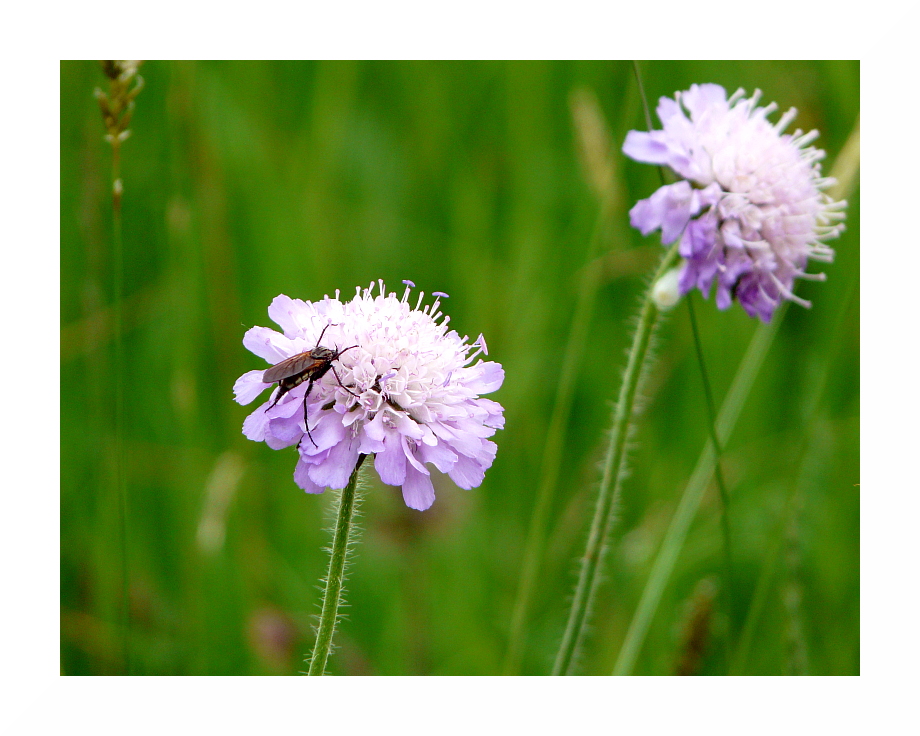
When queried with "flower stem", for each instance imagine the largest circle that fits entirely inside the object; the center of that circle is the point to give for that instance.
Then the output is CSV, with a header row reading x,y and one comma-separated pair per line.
x,y
613,472
336,575
720,480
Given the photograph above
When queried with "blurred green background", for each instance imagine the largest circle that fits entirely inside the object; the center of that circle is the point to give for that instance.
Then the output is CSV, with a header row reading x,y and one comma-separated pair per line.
x,y
247,180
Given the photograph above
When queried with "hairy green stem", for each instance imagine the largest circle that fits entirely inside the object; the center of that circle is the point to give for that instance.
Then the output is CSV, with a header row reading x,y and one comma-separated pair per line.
x,y
611,480
336,576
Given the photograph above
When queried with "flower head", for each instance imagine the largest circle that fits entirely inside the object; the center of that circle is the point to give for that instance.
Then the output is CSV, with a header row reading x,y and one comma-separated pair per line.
x,y
749,208
408,393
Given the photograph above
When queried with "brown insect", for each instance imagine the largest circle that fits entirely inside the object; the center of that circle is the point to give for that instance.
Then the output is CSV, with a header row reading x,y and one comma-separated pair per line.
x,y
311,366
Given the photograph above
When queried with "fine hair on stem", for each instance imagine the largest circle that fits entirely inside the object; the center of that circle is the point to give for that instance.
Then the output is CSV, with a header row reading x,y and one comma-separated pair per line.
x,y
613,473
342,541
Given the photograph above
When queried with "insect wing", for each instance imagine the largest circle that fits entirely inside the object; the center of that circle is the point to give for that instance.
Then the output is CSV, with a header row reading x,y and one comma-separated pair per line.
x,y
293,366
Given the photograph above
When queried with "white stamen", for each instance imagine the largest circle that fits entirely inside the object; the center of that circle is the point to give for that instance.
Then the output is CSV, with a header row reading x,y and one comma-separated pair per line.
x,y
804,140
809,156
812,276
787,118
756,244
769,109
788,294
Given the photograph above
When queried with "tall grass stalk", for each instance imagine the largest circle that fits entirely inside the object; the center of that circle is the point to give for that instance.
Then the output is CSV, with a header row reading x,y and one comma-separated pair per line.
x,y
118,369
710,414
335,577
614,468
690,502
845,171
810,404
599,170
117,107
720,480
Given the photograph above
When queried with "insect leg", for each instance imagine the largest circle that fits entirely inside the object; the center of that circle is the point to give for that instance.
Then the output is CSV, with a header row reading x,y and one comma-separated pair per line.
x,y
341,384
306,419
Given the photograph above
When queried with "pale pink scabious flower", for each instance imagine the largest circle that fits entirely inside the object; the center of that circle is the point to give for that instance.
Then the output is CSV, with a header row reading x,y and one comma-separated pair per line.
x,y
409,393
750,208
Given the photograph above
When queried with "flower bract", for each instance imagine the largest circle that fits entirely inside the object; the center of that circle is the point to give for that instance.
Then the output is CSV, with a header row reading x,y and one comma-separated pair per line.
x,y
407,391
749,206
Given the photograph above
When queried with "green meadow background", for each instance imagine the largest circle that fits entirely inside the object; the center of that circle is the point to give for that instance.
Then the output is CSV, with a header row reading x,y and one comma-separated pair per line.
x,y
247,180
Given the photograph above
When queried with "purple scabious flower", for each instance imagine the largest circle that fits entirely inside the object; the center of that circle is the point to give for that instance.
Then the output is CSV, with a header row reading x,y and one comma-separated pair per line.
x,y
408,393
749,209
